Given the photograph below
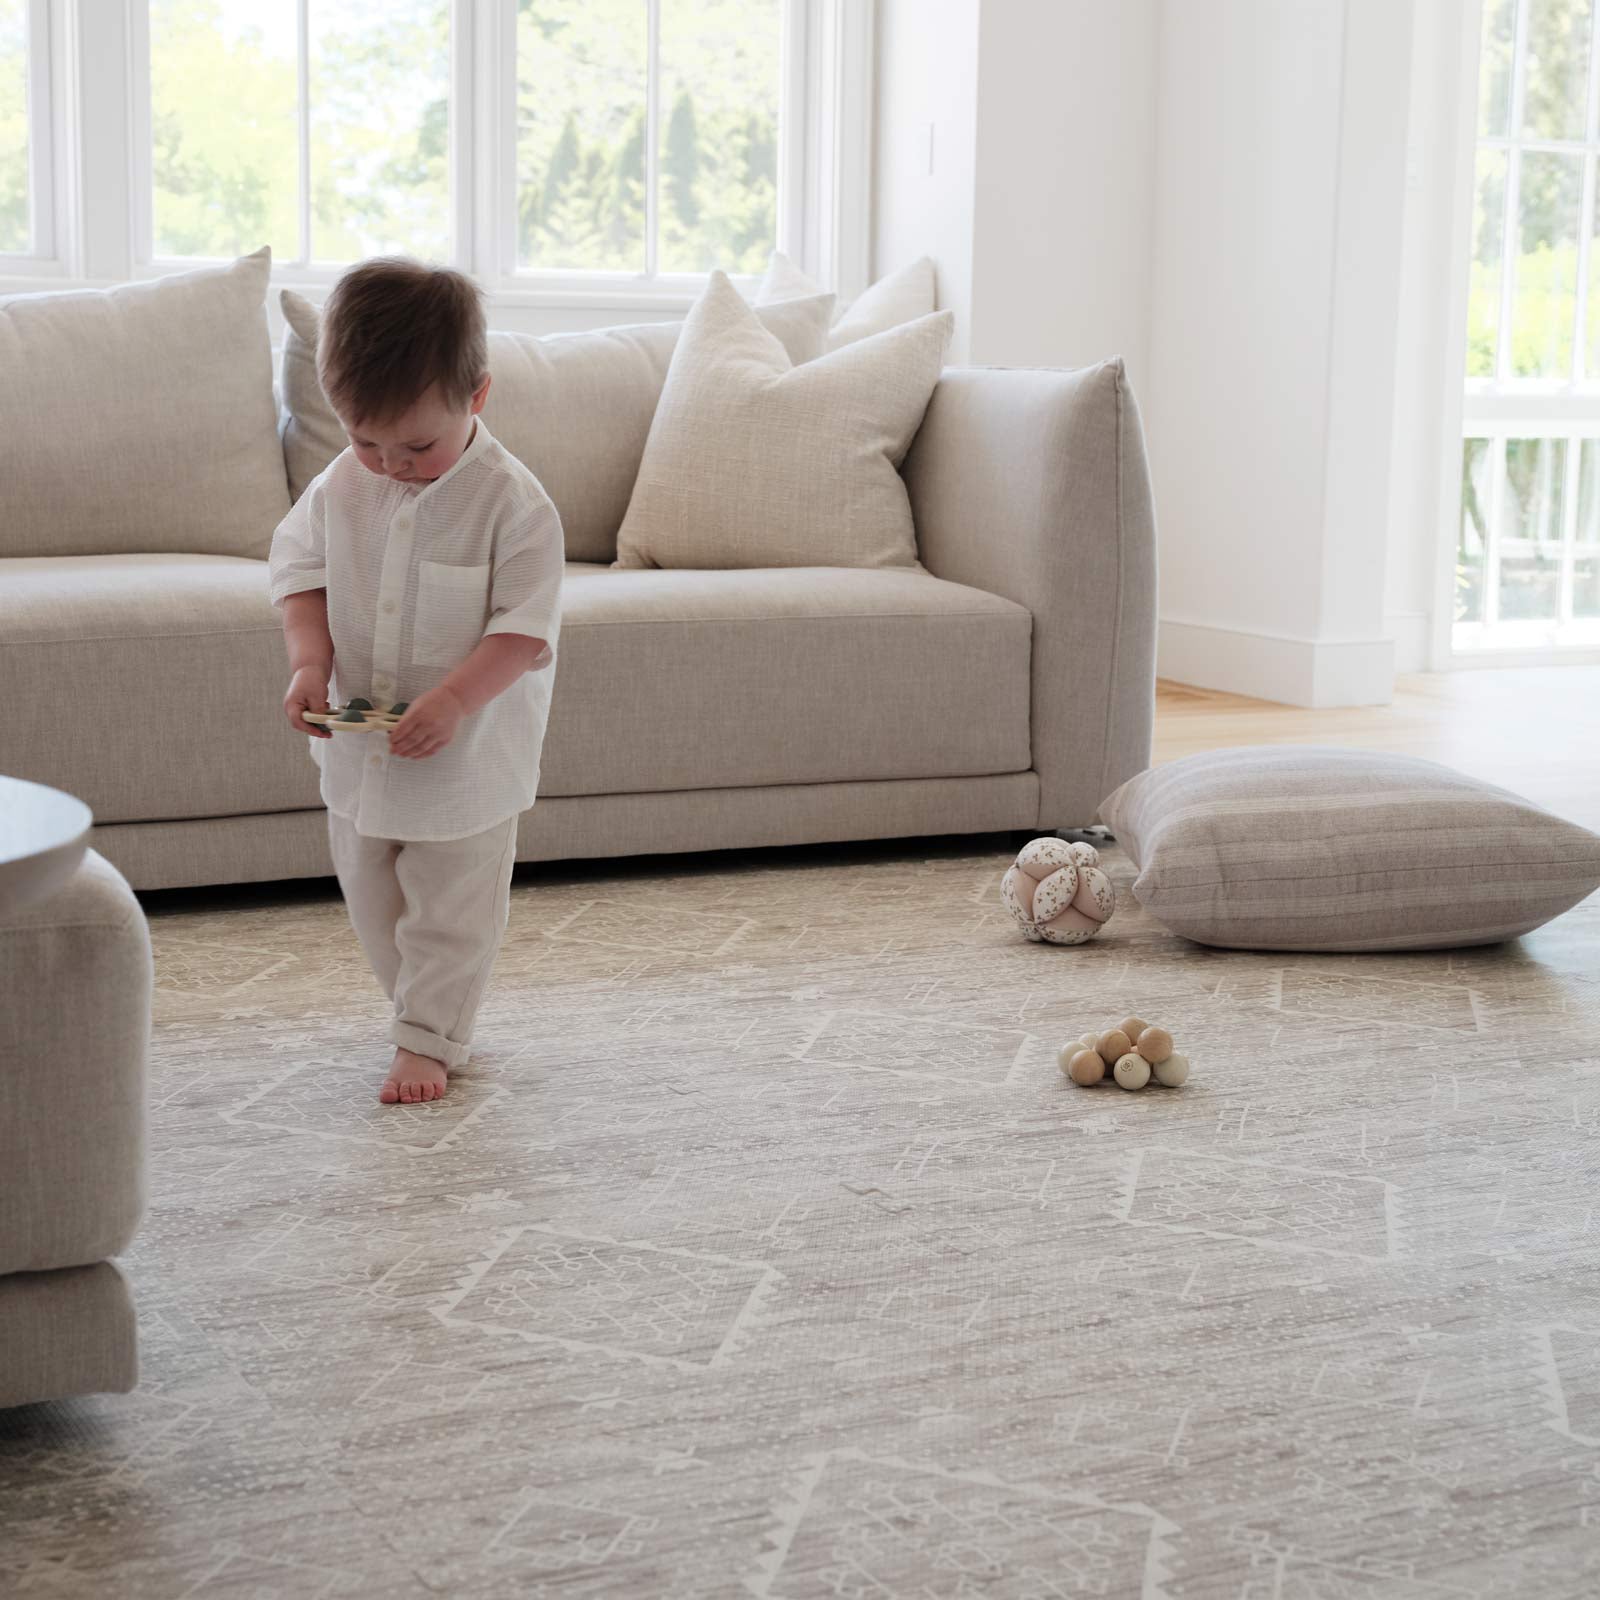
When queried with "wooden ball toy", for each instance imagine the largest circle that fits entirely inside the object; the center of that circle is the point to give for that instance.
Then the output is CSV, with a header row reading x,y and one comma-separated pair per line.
x,y
1154,1044
1135,1052
1086,1067
1132,1071
1172,1072
1113,1045
1057,892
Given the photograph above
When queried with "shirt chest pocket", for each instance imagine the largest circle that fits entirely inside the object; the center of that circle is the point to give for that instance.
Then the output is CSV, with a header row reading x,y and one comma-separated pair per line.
x,y
452,608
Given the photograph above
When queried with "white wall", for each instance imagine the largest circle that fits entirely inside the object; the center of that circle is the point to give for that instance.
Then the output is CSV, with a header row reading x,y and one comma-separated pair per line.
x,y
1066,148
1015,144
1217,191
1425,432
924,148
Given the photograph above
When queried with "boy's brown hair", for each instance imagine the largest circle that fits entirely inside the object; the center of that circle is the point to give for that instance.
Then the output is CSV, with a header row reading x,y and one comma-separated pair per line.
x,y
392,327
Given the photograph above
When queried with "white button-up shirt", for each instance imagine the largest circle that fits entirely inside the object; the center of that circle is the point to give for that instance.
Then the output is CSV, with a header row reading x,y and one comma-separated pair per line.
x,y
416,577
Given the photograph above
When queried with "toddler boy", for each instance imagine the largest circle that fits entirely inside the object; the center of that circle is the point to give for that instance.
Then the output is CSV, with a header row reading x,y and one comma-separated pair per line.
x,y
422,567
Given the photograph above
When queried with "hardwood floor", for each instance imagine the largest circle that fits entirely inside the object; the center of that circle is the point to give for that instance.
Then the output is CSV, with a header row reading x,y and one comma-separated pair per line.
x,y
1534,730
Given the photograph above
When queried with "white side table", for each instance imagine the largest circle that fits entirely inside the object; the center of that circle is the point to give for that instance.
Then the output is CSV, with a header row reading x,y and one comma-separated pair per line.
x,y
43,835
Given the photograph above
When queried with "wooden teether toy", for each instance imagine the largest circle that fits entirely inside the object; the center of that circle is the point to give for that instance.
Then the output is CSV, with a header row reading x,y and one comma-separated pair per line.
x,y
1133,1051
356,716
1057,892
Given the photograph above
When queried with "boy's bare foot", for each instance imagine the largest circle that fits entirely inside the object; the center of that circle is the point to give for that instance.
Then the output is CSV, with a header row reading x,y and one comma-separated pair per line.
x,y
413,1079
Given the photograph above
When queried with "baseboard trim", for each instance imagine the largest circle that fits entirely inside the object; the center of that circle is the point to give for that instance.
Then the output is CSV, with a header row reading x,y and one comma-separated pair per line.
x,y
1297,672
1412,632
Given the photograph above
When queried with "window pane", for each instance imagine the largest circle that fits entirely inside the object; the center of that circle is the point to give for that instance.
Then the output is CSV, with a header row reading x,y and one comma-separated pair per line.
x,y
1474,530
718,205
380,128
222,121
581,67
1483,294
15,227
1586,586
1536,475
1530,529
1556,77
1589,492
1530,587
1494,68
1545,293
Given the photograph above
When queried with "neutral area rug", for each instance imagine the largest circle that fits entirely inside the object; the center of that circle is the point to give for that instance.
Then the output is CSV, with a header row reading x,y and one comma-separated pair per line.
x,y
764,1250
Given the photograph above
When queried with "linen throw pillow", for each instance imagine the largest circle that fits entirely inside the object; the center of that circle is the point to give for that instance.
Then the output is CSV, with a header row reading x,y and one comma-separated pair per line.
x,y
140,419
575,408
753,462
1306,848
901,297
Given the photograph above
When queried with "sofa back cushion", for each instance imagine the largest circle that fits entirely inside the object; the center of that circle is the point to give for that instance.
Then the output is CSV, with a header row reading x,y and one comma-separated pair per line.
x,y
575,408
140,418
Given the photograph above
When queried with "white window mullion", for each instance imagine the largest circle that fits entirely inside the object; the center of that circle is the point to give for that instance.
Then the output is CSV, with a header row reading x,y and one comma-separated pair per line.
x,y
652,136
42,240
303,121
1569,530
1580,311
1491,544
793,134
1511,230
461,156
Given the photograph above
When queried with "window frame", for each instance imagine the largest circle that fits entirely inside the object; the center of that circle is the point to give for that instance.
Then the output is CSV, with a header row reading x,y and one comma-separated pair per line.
x,y
1505,406
42,256
824,219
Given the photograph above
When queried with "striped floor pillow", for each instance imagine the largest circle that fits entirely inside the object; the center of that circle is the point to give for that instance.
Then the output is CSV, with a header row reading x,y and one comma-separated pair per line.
x,y
1306,848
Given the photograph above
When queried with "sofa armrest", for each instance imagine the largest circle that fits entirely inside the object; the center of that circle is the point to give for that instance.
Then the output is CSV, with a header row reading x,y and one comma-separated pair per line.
x,y
1032,484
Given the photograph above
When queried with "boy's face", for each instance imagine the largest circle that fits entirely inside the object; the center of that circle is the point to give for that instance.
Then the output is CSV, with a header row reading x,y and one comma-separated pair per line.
x,y
420,444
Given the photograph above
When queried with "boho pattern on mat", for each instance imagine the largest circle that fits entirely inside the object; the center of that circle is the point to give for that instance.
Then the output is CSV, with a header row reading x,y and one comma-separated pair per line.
x,y
763,1250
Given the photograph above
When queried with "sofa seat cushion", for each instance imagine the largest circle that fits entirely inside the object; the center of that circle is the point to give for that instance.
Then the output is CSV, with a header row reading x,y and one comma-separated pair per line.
x,y
150,686
713,679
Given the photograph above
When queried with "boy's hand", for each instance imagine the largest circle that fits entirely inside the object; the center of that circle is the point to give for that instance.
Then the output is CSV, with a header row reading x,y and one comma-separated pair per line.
x,y
308,691
428,725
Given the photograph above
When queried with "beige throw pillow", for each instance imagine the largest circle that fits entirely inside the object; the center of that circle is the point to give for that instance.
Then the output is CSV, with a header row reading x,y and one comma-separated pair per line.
x,y
901,297
1305,848
754,462
574,407
139,419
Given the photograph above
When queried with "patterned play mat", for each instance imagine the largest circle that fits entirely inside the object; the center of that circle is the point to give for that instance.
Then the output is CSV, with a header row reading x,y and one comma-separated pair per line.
x,y
763,1250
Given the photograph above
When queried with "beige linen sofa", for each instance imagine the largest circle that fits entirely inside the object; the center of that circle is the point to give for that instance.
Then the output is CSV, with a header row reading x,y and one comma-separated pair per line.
x,y
1006,683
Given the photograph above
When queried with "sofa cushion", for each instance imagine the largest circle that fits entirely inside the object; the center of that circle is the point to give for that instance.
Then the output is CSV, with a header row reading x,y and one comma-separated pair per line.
x,y
575,408
141,418
703,680
151,686
898,297
755,462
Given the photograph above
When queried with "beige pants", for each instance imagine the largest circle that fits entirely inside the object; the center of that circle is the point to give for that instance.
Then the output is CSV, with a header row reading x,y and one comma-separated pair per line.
x,y
430,916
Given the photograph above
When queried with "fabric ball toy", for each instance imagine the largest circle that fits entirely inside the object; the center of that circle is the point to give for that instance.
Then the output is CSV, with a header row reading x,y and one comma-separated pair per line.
x,y
1057,892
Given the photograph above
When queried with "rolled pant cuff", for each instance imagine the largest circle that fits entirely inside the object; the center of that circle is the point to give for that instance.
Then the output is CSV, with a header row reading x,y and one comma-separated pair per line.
x,y
423,1043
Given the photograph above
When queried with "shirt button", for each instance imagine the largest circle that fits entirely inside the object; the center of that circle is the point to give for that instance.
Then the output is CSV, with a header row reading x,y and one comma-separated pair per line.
x,y
374,761
388,608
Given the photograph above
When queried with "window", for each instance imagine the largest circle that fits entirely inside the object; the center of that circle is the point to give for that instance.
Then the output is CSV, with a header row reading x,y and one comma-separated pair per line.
x,y
647,134
1527,564
25,179
537,143
310,127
